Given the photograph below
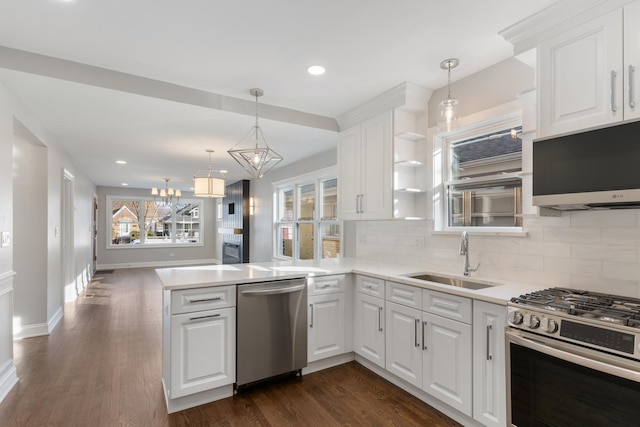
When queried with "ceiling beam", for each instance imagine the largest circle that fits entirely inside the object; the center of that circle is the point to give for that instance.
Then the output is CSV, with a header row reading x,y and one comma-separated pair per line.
x,y
48,66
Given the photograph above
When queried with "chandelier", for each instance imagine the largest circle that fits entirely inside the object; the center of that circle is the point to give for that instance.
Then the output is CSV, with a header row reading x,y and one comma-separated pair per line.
x,y
257,159
205,185
448,108
166,194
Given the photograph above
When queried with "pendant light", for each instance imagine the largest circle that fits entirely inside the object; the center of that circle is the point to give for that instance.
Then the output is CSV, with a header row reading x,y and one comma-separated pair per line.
x,y
207,185
448,108
258,159
166,194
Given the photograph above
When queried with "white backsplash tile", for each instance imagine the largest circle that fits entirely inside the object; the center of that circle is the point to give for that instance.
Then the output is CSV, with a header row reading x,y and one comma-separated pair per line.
x,y
605,252
597,251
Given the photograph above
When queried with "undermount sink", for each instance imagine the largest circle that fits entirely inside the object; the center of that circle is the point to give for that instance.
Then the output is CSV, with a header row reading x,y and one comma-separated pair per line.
x,y
451,281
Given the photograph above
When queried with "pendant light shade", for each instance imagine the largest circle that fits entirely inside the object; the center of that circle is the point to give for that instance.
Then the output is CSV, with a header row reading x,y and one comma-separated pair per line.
x,y
205,185
166,194
448,109
258,158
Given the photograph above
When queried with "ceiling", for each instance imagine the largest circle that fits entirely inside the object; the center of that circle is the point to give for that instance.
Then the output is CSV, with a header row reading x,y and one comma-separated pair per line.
x,y
157,82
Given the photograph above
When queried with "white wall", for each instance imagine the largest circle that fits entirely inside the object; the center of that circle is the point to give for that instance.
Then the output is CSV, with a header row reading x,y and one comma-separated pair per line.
x,y
47,303
154,256
261,240
584,250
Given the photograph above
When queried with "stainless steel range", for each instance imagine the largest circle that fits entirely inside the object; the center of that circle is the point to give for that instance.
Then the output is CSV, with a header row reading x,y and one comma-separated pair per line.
x,y
573,359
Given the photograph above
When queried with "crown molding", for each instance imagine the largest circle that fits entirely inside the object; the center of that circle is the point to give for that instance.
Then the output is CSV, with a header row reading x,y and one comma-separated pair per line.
x,y
555,19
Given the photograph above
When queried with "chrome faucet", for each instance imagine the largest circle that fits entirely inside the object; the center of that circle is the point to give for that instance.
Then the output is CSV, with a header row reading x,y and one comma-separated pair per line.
x,y
464,250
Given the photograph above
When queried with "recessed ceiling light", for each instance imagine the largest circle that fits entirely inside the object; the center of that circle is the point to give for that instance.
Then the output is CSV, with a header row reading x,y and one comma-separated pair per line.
x,y
124,184
121,162
316,70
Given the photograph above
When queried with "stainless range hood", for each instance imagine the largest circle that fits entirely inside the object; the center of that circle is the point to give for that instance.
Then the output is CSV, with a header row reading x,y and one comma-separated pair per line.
x,y
595,169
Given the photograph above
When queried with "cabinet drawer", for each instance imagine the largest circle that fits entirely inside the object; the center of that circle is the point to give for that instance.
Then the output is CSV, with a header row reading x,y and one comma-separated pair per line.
x,y
325,285
370,286
447,305
400,293
190,300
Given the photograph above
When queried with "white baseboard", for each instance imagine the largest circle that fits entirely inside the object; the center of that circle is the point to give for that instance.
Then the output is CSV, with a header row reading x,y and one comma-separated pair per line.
x,y
157,264
8,379
196,399
327,363
55,319
30,331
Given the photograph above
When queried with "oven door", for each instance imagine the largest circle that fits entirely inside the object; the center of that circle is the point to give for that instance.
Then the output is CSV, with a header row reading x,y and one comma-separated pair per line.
x,y
553,383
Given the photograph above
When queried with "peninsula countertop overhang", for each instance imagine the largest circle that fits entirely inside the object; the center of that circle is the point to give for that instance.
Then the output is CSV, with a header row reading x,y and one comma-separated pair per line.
x,y
189,277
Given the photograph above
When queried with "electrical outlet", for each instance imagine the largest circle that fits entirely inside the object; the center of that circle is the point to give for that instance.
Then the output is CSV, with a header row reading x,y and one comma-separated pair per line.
x,y
419,241
6,239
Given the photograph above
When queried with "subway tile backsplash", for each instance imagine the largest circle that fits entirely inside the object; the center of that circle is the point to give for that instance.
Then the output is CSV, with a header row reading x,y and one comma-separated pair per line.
x,y
597,251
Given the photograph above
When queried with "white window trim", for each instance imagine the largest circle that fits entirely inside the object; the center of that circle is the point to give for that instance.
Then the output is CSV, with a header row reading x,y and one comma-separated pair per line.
x,y
109,204
485,122
295,183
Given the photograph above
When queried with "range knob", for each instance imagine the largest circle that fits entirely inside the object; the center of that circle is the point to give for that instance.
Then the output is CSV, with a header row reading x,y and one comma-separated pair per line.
x,y
532,321
551,326
515,317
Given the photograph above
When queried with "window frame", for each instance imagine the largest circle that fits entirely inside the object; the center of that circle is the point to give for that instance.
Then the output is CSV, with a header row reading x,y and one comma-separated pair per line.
x,y
141,226
316,178
443,171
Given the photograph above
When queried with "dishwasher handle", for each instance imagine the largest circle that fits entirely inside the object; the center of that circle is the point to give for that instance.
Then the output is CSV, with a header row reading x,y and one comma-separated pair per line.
x,y
273,291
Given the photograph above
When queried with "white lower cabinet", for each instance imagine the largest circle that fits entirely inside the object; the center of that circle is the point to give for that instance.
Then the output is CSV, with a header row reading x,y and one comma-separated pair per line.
x,y
489,383
198,345
202,351
369,328
326,329
404,343
446,361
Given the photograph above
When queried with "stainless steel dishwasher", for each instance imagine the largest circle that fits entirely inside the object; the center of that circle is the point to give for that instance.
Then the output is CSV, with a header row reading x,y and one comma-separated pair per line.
x,y
271,329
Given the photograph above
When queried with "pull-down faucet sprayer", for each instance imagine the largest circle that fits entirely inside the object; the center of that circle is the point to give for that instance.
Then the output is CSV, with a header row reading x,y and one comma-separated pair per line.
x,y
464,250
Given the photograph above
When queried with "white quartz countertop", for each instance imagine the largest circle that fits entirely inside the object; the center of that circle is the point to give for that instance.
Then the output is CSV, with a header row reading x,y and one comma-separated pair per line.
x,y
216,275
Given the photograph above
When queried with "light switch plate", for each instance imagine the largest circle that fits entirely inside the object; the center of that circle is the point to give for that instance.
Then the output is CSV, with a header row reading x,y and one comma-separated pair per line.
x,y
6,239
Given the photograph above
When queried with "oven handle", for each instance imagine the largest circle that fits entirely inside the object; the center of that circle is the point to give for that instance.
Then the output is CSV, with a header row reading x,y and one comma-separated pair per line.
x,y
597,361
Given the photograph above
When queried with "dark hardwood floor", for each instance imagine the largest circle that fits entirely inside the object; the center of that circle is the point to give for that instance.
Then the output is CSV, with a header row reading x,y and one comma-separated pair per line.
x,y
102,366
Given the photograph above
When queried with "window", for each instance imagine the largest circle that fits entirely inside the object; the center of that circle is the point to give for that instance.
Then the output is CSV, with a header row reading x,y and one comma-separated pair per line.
x,y
481,172
306,225
145,222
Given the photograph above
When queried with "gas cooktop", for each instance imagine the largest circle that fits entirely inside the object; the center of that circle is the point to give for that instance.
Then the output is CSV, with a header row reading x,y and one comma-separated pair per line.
x,y
605,308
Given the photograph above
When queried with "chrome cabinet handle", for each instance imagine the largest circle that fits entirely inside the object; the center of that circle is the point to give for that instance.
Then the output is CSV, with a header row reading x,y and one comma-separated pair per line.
x,y
613,91
361,203
311,324
358,203
632,72
416,332
380,319
424,341
489,356
205,317
204,299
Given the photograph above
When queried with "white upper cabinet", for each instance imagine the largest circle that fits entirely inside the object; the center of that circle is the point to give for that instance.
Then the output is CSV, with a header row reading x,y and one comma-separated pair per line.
x,y
365,169
587,74
580,76
632,60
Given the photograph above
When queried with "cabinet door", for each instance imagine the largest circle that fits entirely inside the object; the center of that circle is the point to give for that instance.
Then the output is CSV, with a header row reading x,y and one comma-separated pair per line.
x,y
489,389
404,343
631,61
368,334
377,167
447,361
576,86
326,326
203,353
349,161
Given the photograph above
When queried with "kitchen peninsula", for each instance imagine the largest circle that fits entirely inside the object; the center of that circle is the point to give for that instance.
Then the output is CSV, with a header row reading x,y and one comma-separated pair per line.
x,y
357,310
